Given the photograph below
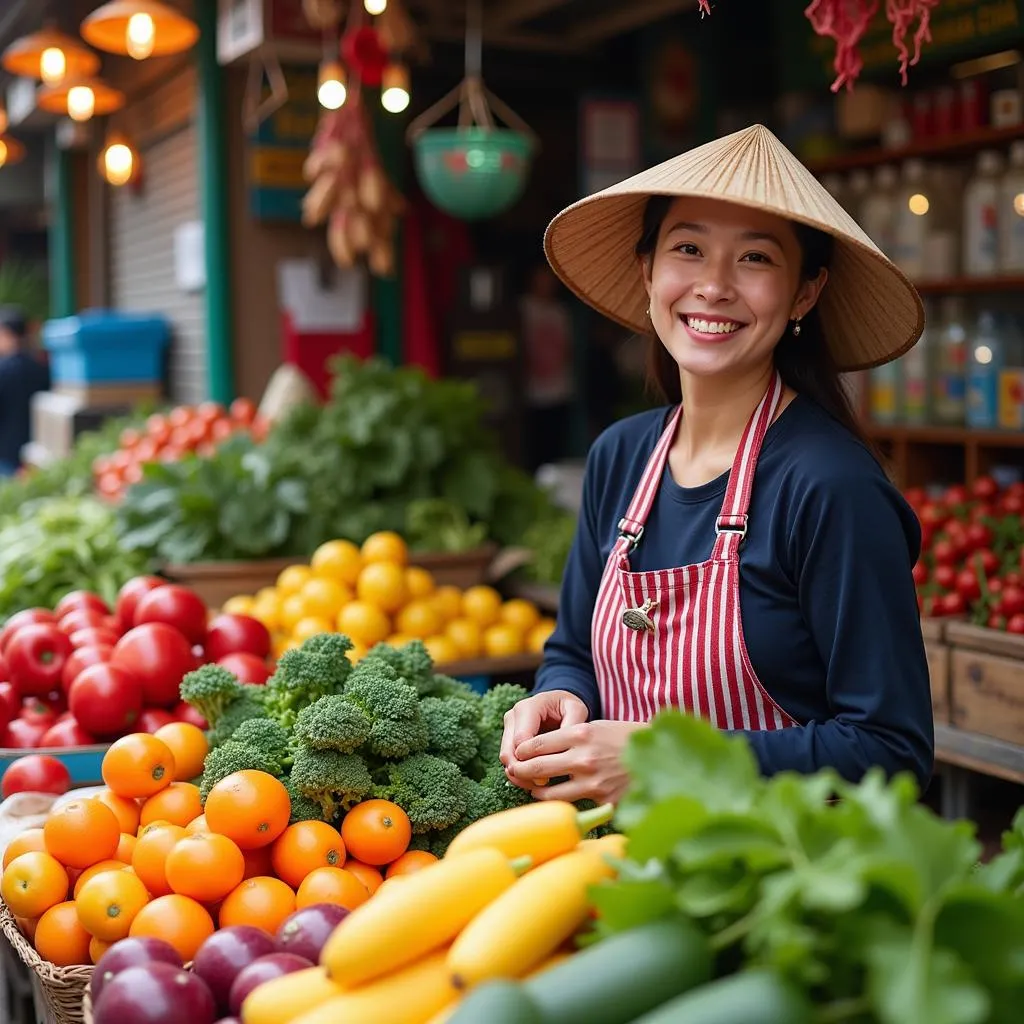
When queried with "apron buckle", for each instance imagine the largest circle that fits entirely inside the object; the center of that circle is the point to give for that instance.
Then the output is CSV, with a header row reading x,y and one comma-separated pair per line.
x,y
632,536
638,619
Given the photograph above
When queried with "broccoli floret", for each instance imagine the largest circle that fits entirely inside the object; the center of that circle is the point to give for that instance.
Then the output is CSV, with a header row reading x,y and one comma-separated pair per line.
x,y
480,801
451,728
304,674
211,690
445,686
397,728
234,757
495,781
493,705
332,723
267,737
246,708
429,789
303,809
332,780
411,661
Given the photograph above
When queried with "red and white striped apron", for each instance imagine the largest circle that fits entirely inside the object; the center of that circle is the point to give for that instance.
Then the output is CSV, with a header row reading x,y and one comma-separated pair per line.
x,y
685,648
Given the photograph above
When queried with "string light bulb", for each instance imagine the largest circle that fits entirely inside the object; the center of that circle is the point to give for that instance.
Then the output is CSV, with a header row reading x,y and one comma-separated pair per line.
x,y
53,65
331,90
394,88
140,35
81,102
375,6
118,162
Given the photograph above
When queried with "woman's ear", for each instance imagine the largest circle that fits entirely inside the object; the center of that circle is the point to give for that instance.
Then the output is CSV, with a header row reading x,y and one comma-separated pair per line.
x,y
807,294
645,270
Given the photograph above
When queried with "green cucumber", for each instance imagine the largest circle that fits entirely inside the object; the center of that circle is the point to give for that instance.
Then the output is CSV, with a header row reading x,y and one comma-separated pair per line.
x,y
755,997
497,1002
623,976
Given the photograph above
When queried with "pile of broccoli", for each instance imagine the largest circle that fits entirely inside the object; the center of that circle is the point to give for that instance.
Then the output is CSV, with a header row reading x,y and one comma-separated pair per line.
x,y
336,734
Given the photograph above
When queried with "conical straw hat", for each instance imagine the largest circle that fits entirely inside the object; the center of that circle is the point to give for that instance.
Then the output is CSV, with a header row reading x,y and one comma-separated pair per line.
x,y
870,311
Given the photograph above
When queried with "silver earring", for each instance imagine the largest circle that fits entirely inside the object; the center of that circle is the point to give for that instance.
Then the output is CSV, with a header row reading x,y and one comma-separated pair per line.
x,y
649,313
796,328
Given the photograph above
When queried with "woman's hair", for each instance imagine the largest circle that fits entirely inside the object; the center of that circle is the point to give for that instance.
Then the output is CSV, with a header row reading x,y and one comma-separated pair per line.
x,y
805,362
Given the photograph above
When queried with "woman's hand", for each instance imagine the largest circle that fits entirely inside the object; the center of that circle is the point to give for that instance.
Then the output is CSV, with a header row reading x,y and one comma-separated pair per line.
x,y
552,709
590,753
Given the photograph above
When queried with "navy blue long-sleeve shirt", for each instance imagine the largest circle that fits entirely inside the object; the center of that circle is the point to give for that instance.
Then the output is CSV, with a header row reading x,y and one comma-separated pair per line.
x,y
829,608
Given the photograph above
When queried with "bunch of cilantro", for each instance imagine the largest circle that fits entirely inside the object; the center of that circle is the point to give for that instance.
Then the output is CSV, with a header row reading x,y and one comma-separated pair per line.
x,y
858,896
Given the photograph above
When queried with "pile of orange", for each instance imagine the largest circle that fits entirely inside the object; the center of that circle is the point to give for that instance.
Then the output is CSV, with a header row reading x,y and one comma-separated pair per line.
x,y
144,857
373,595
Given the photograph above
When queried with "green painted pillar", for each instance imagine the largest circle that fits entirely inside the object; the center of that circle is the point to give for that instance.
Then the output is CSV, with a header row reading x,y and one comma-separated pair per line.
x,y
387,292
62,235
213,188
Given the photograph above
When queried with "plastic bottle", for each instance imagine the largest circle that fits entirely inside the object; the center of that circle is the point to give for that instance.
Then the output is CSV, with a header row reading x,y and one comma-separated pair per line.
x,y
917,375
981,217
879,208
884,385
984,367
1010,414
1011,213
949,381
912,220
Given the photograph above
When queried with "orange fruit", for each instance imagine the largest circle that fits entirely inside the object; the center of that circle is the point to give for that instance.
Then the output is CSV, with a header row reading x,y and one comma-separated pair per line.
x,y
311,625
258,862
32,883
60,938
82,833
109,902
442,650
448,601
482,604
176,919
179,804
382,584
262,902
385,546
520,614
331,885
366,873
250,807
149,860
419,618
376,831
29,841
410,862
419,582
467,636
241,604
303,847
267,608
97,949
293,611
364,623
325,598
204,866
292,579
138,765
502,641
125,848
126,811
188,744
197,825
97,869
537,637
337,560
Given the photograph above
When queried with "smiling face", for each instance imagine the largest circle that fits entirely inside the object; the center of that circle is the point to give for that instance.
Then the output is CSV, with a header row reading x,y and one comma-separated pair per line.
x,y
724,282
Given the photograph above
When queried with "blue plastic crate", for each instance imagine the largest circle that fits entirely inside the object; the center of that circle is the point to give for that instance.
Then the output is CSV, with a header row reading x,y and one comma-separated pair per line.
x,y
104,347
83,763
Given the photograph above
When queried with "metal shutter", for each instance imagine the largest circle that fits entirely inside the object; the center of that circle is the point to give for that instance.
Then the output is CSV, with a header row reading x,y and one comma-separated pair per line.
x,y
142,272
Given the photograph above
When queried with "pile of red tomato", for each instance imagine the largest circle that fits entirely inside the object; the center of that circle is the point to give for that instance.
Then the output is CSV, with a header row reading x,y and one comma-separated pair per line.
x,y
972,553
166,437
86,673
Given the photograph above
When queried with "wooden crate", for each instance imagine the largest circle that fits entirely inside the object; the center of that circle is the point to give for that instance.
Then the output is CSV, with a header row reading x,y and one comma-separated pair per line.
x,y
937,653
986,681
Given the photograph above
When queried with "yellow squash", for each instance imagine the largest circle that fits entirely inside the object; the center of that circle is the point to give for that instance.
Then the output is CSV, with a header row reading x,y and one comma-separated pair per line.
x,y
527,923
283,999
540,831
425,912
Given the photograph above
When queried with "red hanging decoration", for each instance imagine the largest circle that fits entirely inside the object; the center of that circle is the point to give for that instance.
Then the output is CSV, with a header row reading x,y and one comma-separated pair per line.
x,y
902,14
845,21
364,53
705,7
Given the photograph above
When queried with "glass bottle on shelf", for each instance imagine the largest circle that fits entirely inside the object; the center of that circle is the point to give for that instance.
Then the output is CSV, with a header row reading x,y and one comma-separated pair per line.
x,y
912,220
879,209
981,217
1011,213
1010,412
949,381
917,375
884,383
985,363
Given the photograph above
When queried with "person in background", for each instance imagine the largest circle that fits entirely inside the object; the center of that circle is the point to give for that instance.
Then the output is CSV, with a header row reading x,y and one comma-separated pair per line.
x,y
22,374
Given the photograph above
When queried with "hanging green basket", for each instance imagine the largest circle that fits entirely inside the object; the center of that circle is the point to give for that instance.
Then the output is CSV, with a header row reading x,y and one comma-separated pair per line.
x,y
473,173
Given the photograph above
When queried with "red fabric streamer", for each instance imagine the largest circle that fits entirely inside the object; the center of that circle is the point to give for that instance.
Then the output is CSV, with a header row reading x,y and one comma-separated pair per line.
x,y
705,7
845,21
902,14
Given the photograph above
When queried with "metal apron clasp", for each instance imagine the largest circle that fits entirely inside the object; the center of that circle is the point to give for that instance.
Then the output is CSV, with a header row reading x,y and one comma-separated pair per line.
x,y
639,619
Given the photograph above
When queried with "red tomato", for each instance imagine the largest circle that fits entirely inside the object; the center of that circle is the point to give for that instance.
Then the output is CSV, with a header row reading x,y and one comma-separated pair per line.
x,y
154,718
24,735
221,430
920,573
968,586
94,636
1011,601
106,700
945,552
80,618
176,606
10,700
36,658
57,702
35,773
1013,579
230,633
953,604
23,618
128,598
80,599
933,514
243,410
247,667
985,488
158,656
945,576
179,416
1015,624
978,536
1012,504
38,712
67,732
3,669
955,495
81,658
186,713
210,411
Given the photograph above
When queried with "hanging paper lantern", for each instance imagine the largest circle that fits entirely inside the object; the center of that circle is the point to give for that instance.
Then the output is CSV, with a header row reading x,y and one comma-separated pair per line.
x,y
364,53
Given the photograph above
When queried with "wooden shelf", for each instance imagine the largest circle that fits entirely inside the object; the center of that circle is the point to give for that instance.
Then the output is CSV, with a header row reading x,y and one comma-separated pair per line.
x,y
946,435
940,145
980,754
972,285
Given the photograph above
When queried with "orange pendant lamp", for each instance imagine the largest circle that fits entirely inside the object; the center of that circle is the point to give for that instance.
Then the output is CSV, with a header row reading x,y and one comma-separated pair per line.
x,y
49,55
81,98
139,29
11,151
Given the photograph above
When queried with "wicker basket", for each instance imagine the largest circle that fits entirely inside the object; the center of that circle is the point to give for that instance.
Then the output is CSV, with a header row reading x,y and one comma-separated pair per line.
x,y
61,989
87,1008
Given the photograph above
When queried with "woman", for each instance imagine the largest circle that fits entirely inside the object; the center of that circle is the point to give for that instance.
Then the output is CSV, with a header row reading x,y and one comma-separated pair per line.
x,y
745,560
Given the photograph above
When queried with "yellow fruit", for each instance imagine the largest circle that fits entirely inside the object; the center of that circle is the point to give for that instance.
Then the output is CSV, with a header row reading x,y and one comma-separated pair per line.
x,y
482,605
502,641
398,640
290,996
383,584
467,636
293,608
337,560
385,546
538,636
267,592
241,604
268,610
419,582
311,625
363,623
419,619
448,601
287,644
520,614
442,650
357,653
293,579
325,598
